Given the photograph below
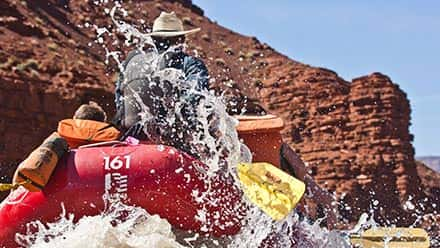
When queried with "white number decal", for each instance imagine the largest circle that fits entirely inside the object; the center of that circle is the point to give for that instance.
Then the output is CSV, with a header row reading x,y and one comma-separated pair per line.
x,y
127,161
116,163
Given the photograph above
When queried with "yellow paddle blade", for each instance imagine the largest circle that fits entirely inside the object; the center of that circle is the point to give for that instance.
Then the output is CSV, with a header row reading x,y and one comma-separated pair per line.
x,y
6,187
10,186
398,237
270,188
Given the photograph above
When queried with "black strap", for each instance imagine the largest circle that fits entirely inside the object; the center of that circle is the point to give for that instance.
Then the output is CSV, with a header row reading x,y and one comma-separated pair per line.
x,y
110,124
37,185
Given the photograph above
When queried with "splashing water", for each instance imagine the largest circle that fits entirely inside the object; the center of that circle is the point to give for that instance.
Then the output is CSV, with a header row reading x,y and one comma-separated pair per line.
x,y
139,229
209,132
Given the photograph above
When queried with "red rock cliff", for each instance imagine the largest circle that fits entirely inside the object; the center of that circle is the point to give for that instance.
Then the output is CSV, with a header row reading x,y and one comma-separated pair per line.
x,y
353,135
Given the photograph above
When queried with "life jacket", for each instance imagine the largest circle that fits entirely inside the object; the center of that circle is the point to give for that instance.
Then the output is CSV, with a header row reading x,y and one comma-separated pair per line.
x,y
82,132
262,135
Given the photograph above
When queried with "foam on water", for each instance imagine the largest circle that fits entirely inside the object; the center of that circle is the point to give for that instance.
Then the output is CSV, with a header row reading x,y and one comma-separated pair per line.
x,y
137,230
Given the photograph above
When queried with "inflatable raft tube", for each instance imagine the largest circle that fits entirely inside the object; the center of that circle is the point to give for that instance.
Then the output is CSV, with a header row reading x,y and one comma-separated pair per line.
x,y
160,179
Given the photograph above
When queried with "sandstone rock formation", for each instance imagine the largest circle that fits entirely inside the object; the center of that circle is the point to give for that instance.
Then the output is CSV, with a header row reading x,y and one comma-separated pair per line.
x,y
353,135
430,181
432,161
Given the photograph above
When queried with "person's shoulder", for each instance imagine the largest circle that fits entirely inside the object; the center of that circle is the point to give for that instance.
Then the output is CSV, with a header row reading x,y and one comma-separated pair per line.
x,y
193,60
192,57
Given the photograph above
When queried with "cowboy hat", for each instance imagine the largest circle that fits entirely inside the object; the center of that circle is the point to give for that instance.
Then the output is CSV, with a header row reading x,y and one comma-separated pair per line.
x,y
169,25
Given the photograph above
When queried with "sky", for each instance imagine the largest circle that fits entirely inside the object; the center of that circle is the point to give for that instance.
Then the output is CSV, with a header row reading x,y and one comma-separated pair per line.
x,y
399,38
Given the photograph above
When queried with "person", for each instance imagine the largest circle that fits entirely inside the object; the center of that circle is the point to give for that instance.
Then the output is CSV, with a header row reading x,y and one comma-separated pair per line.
x,y
91,111
87,126
168,36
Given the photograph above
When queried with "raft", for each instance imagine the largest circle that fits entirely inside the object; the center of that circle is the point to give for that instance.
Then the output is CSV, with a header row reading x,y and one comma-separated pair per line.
x,y
160,179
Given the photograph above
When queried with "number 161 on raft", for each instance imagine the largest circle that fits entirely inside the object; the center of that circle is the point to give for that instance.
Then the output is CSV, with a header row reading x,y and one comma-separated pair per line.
x,y
117,162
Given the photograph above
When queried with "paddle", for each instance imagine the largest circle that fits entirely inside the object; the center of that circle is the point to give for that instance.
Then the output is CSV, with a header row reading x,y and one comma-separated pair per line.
x,y
397,237
270,188
277,194
10,186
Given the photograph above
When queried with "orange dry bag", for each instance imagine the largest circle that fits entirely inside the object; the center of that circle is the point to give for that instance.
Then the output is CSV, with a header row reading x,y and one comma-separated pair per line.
x,y
262,135
79,132
34,172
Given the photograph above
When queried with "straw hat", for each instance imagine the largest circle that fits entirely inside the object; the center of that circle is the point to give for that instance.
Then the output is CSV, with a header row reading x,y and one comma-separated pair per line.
x,y
169,25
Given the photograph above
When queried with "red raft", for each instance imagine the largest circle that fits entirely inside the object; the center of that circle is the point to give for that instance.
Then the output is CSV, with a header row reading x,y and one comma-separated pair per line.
x,y
160,179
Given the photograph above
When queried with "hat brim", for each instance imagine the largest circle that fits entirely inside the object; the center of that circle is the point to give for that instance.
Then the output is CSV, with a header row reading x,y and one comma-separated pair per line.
x,y
173,33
